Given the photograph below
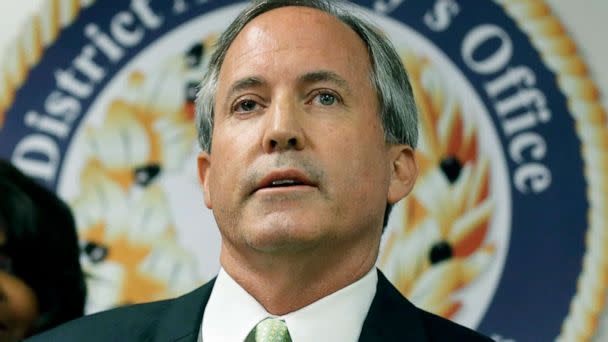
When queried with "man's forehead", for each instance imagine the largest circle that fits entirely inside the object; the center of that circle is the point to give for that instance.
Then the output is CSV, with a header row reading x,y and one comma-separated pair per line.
x,y
295,29
299,23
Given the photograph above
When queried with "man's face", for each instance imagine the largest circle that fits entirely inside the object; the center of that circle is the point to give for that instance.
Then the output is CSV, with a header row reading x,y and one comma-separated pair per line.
x,y
298,158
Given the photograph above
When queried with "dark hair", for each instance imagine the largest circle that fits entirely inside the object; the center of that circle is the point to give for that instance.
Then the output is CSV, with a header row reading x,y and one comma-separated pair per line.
x,y
42,243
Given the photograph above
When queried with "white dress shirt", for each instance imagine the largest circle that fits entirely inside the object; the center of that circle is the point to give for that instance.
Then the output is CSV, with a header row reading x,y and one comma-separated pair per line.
x,y
232,313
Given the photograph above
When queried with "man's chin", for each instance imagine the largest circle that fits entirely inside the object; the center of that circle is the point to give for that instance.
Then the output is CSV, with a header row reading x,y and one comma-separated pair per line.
x,y
282,240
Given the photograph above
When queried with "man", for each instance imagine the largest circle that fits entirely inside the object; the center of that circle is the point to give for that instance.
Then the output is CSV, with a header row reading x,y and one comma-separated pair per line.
x,y
307,123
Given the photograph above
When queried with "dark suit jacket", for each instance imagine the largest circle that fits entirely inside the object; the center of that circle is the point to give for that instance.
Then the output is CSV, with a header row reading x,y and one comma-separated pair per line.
x,y
390,318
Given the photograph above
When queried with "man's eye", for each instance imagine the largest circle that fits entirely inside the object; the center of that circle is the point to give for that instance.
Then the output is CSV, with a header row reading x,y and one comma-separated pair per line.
x,y
245,106
325,99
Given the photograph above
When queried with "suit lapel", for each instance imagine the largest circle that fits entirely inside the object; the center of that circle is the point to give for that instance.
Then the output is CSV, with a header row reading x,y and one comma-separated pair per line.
x,y
391,317
182,321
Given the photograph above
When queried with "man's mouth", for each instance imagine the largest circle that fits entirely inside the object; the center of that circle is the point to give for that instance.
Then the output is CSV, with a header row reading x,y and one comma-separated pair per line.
x,y
285,179
284,182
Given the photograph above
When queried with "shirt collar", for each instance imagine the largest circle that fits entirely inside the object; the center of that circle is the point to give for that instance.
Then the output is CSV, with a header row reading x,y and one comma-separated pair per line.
x,y
232,312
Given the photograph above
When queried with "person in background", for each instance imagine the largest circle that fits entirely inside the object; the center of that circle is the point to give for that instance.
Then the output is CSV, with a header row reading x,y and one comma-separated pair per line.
x,y
41,282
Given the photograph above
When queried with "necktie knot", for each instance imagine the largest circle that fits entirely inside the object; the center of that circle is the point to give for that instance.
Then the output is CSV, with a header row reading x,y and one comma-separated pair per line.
x,y
270,330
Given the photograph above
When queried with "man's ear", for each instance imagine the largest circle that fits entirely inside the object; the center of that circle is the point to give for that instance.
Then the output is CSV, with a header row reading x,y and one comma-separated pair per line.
x,y
404,171
204,171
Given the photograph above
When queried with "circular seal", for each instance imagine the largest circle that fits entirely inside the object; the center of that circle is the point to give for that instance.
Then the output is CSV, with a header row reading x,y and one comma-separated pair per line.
x,y
504,228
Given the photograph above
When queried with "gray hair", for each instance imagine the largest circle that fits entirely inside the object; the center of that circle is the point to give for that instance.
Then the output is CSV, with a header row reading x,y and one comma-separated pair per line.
x,y
398,111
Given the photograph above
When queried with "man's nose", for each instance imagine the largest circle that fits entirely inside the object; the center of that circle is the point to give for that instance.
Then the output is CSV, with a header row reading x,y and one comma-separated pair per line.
x,y
283,129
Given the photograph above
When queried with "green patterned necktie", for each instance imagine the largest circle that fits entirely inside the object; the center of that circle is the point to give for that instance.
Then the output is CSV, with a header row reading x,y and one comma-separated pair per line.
x,y
269,330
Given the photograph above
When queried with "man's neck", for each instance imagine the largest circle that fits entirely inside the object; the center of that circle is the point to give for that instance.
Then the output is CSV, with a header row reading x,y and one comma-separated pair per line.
x,y
285,282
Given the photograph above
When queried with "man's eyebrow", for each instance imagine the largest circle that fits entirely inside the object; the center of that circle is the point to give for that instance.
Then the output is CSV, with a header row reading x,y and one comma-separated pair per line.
x,y
245,83
325,76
